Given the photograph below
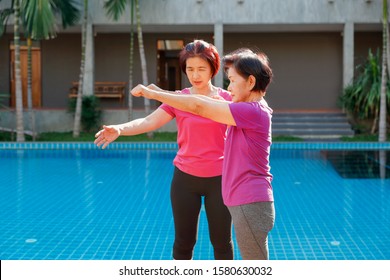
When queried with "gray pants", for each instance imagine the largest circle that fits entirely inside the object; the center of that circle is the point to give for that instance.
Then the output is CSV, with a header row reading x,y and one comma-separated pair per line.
x,y
252,222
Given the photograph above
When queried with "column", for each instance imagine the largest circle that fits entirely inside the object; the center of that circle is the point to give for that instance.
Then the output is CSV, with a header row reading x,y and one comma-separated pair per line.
x,y
218,43
348,53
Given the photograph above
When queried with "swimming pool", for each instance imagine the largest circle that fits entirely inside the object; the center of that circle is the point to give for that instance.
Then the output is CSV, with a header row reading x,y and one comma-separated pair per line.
x,y
72,201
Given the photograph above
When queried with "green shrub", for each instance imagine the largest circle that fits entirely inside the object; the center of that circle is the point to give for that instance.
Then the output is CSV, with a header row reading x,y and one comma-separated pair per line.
x,y
90,112
362,97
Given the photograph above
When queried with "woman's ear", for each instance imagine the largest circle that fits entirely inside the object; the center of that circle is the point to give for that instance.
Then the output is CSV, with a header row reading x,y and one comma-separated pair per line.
x,y
251,82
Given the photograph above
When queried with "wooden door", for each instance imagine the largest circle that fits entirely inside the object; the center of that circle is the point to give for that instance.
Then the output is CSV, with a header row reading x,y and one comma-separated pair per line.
x,y
36,76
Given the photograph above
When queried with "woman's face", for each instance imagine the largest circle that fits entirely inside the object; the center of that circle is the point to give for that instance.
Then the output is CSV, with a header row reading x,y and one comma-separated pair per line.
x,y
199,72
239,87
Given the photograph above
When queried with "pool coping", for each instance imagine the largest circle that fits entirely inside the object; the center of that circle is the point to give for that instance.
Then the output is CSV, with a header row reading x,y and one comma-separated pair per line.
x,y
173,145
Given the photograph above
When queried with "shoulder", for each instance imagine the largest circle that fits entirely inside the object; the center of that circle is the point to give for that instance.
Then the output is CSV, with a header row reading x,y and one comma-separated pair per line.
x,y
224,94
250,115
264,105
250,108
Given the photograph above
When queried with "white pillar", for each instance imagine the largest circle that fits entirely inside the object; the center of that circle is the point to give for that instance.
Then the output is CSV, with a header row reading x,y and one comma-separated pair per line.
x,y
348,53
218,43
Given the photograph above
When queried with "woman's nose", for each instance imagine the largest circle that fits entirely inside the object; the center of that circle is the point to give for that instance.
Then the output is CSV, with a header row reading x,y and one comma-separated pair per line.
x,y
195,74
229,88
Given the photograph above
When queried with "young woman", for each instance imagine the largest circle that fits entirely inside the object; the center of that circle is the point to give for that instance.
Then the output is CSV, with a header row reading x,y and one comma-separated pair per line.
x,y
246,177
198,162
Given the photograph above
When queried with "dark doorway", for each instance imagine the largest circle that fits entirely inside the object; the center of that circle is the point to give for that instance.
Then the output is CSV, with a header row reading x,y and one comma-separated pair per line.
x,y
168,67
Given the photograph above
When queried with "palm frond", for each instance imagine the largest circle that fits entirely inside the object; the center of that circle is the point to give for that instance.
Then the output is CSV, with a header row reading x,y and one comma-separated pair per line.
x,y
69,11
115,8
39,16
4,14
38,19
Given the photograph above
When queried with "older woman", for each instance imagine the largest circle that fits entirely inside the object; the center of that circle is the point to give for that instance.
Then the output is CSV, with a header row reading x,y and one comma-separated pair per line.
x,y
246,177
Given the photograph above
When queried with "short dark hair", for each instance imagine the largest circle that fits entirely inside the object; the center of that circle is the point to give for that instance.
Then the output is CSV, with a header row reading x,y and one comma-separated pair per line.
x,y
247,63
202,49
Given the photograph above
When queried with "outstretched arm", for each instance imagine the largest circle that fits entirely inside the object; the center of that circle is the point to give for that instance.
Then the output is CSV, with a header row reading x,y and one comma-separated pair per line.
x,y
110,133
206,107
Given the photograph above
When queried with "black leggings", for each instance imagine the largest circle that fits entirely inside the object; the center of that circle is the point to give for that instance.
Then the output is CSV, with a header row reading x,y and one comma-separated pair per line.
x,y
186,198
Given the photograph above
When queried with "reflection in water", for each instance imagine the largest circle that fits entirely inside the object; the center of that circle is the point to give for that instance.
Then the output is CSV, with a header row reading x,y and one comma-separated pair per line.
x,y
19,180
360,164
87,183
382,164
147,172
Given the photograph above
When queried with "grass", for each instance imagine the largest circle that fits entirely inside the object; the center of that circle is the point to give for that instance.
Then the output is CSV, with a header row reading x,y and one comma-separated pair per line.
x,y
363,138
90,137
157,137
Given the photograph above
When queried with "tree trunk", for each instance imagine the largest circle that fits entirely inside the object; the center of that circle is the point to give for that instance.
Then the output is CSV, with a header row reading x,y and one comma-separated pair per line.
x,y
18,78
143,60
29,88
382,108
78,110
131,62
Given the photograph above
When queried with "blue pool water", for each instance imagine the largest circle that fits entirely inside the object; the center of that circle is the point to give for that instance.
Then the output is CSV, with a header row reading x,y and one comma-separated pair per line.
x,y
79,202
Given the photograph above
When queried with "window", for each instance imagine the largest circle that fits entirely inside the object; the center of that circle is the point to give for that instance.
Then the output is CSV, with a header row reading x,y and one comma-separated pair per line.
x,y
166,45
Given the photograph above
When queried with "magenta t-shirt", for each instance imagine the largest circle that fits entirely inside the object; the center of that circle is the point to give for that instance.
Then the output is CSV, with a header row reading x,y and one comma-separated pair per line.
x,y
246,171
201,141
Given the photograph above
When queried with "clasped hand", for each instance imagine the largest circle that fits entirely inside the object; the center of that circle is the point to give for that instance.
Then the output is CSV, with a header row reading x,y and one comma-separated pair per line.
x,y
141,90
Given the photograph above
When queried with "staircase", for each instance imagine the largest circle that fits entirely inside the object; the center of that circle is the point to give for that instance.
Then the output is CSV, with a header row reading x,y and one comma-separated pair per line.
x,y
312,125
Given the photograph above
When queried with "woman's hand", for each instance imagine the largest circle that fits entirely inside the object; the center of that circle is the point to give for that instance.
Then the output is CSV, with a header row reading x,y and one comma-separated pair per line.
x,y
107,135
139,91
154,87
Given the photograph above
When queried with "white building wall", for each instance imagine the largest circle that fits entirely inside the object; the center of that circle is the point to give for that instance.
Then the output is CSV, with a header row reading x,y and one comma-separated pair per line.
x,y
207,12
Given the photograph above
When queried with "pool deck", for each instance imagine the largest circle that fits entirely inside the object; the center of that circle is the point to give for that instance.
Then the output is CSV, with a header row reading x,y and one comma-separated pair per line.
x,y
173,145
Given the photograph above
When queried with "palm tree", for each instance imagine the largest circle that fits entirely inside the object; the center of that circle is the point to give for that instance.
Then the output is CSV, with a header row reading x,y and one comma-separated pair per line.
x,y
4,15
18,78
115,8
383,104
77,117
41,24
131,63
38,24
29,87
142,55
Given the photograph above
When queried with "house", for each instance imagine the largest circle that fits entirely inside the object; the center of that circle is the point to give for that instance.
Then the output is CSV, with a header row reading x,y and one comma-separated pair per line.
x,y
313,45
